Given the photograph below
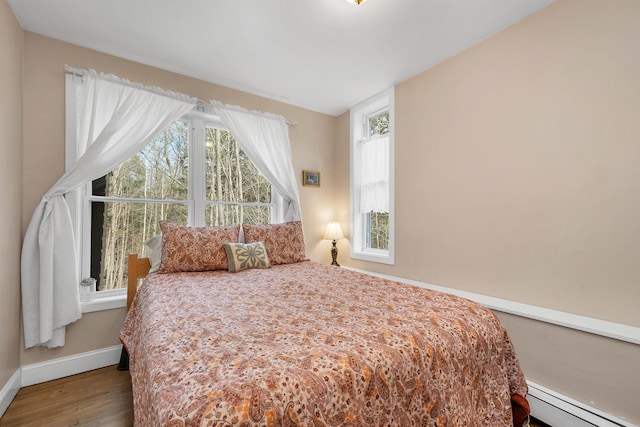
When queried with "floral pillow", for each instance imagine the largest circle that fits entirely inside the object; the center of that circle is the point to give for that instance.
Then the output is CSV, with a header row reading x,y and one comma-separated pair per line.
x,y
194,248
242,256
284,242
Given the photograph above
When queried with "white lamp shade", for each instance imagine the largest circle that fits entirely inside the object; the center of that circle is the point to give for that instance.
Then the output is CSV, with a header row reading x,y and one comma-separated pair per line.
x,y
334,231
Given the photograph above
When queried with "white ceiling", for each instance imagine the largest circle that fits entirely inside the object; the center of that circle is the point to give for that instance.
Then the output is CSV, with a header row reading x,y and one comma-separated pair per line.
x,y
324,55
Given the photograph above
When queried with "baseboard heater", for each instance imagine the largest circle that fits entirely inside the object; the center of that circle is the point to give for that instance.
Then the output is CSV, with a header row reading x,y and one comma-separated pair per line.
x,y
558,410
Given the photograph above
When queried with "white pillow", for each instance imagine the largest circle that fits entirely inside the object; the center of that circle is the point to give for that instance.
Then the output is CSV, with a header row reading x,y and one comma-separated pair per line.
x,y
153,250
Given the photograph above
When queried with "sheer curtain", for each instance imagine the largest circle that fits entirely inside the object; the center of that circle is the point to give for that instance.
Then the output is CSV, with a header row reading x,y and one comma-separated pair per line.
x,y
265,139
374,180
115,119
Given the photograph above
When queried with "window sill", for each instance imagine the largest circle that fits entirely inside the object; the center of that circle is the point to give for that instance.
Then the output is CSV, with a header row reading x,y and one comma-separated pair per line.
x,y
105,303
382,257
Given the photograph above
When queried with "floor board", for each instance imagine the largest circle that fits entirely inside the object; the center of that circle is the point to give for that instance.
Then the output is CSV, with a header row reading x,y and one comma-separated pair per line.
x,y
95,398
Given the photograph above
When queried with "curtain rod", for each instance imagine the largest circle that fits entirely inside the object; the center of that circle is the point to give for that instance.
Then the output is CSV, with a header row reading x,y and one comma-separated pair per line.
x,y
200,105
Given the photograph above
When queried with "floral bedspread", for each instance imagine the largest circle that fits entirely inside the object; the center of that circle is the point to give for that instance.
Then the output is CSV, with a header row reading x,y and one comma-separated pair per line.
x,y
314,345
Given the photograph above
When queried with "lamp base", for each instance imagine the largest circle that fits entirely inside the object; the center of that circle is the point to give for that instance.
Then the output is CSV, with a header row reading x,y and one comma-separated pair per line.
x,y
334,254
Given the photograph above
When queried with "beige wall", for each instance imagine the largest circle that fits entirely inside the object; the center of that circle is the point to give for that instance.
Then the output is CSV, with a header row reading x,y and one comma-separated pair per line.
x,y
312,141
11,49
517,176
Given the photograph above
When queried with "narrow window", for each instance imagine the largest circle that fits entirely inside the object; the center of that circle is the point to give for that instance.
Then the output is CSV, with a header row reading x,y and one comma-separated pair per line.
x,y
372,179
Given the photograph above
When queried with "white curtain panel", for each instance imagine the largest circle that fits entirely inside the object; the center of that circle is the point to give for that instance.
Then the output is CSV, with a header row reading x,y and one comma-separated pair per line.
x,y
264,138
115,119
374,180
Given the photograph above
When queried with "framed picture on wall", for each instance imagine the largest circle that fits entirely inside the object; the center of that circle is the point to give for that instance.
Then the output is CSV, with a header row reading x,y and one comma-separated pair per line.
x,y
311,179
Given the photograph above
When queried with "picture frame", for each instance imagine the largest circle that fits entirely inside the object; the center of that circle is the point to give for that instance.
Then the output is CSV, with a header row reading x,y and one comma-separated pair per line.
x,y
311,179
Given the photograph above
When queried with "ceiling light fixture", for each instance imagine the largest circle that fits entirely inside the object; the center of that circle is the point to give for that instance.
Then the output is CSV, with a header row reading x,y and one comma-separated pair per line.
x,y
356,1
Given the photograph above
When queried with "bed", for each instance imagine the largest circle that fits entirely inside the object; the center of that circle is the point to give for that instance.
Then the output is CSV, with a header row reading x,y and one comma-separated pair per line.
x,y
301,343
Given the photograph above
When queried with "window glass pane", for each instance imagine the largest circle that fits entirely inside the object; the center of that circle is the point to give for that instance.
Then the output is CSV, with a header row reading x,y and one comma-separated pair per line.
x,y
230,175
378,230
217,215
118,229
159,171
379,124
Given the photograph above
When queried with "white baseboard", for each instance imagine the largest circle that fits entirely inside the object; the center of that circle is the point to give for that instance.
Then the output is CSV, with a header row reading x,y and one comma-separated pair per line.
x,y
9,391
556,409
36,373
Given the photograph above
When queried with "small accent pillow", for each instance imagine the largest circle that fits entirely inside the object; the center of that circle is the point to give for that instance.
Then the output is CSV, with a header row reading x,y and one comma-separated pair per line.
x,y
194,248
153,251
242,256
284,242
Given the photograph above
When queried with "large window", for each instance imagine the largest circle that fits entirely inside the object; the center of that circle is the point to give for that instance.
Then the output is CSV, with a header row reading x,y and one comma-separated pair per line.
x,y
372,179
193,173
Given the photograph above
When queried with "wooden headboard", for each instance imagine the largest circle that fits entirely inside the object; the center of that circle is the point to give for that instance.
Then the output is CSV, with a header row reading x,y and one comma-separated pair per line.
x,y
137,268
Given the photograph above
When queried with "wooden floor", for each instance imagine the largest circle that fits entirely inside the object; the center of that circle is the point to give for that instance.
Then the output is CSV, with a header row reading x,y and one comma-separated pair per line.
x,y
96,398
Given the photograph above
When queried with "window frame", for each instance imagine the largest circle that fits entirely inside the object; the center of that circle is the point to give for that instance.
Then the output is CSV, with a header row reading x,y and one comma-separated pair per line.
x,y
80,200
359,118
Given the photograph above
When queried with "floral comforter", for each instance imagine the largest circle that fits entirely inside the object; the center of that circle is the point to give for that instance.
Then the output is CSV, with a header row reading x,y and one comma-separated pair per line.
x,y
313,345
